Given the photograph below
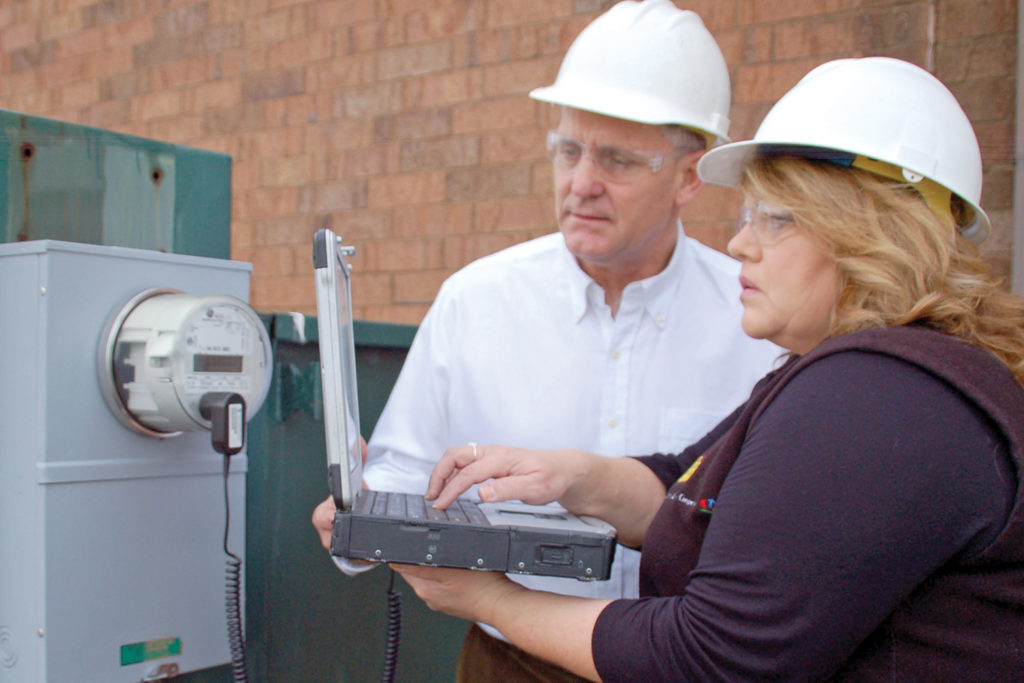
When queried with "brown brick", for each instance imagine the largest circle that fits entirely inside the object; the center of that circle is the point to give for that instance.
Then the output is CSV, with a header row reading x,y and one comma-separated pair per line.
x,y
396,255
334,13
125,85
272,261
240,119
435,90
18,36
996,139
266,201
431,23
343,134
515,215
183,20
370,289
299,51
178,73
369,100
342,72
518,144
768,82
182,130
968,59
962,18
362,224
881,29
359,163
215,94
413,125
986,99
433,219
337,196
502,45
424,155
526,11
499,114
418,287
130,31
33,56
715,14
766,11
61,23
280,293
488,183
519,77
420,58
408,314
157,105
411,188
273,85
293,170
105,114
815,37
462,249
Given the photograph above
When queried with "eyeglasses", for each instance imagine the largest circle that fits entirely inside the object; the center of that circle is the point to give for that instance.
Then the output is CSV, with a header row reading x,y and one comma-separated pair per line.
x,y
616,163
770,225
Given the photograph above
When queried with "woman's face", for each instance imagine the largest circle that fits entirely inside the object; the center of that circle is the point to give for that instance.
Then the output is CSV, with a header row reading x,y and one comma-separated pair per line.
x,y
789,285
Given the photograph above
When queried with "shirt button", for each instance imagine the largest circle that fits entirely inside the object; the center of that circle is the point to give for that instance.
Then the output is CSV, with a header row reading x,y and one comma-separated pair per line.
x,y
612,422
660,319
616,354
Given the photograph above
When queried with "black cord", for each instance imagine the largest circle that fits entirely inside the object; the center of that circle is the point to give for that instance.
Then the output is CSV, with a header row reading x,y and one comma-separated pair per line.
x,y
233,594
387,674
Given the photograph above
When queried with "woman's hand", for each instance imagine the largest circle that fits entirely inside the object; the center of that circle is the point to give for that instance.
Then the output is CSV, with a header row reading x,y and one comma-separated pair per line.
x,y
532,476
463,593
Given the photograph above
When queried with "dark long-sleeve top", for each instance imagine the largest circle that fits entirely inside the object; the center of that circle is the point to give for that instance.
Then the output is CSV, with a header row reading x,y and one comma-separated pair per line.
x,y
860,495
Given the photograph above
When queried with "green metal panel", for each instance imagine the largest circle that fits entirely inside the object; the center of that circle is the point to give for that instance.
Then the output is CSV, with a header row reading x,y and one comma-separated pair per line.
x,y
81,184
305,620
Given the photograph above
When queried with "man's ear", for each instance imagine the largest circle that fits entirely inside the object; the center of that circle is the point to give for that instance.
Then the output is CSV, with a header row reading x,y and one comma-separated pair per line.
x,y
688,182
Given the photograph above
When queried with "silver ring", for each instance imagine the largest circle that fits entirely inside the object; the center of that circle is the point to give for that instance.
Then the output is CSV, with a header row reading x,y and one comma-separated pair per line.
x,y
472,444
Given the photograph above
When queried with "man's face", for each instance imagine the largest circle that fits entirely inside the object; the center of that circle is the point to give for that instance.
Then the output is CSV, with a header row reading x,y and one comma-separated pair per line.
x,y
620,222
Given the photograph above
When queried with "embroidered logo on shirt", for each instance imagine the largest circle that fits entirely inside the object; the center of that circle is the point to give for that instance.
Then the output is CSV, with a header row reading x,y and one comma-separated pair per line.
x,y
705,505
689,473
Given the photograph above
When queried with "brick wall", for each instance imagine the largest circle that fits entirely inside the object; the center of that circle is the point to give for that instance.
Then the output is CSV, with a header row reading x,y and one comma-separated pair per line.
x,y
406,125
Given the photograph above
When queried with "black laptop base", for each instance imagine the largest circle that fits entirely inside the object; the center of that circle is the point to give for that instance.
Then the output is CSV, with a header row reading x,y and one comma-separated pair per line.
x,y
451,544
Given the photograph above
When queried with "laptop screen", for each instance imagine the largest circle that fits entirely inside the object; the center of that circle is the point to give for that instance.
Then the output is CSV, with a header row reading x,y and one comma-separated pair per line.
x,y
338,367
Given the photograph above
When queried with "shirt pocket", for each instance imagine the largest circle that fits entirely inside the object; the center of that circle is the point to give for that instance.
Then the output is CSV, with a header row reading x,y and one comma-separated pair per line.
x,y
681,427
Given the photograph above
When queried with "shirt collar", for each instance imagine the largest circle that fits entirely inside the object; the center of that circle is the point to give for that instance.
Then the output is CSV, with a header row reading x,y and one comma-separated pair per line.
x,y
655,293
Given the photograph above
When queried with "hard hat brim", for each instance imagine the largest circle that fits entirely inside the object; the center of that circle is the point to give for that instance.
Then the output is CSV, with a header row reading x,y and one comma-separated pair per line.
x,y
724,166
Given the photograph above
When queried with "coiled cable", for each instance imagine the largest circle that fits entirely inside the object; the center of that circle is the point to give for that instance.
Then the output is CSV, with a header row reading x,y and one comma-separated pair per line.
x,y
233,595
387,674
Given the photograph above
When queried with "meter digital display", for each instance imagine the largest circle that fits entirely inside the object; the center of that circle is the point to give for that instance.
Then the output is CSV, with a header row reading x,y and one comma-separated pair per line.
x,y
205,362
165,350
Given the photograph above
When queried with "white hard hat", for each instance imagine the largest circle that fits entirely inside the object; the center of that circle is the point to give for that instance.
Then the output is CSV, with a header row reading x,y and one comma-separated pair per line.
x,y
648,62
878,108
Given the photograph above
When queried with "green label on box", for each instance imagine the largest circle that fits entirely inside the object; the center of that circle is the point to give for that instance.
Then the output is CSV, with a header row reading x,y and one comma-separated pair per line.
x,y
151,649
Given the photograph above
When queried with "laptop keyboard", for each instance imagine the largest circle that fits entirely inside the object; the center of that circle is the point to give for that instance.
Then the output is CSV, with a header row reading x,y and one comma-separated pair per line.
x,y
415,506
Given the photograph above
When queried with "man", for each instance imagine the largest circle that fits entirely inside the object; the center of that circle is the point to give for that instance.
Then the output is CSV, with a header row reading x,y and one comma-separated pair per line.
x,y
618,334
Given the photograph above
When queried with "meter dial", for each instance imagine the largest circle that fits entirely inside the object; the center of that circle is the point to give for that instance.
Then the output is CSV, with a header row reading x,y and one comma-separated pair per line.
x,y
164,350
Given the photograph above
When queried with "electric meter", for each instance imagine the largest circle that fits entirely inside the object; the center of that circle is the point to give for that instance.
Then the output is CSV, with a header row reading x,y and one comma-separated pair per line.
x,y
167,357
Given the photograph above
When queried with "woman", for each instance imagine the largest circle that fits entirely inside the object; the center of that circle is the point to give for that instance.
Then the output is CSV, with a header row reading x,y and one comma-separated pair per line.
x,y
861,516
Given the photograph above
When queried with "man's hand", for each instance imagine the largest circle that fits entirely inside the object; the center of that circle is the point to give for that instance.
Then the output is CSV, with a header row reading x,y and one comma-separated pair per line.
x,y
323,521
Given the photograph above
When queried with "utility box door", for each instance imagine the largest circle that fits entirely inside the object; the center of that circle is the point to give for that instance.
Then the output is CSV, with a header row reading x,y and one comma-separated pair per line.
x,y
112,541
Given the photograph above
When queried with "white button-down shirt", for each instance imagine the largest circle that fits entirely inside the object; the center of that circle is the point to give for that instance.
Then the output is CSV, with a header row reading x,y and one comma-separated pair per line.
x,y
520,349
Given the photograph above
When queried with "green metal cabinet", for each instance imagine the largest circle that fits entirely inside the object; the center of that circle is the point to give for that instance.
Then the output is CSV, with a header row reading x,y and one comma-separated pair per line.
x,y
305,620
81,184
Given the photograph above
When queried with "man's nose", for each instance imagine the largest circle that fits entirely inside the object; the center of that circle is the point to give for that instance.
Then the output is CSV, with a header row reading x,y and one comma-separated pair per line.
x,y
586,177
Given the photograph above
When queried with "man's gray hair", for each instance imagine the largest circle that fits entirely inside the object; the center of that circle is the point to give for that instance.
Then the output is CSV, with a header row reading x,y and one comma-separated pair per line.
x,y
684,139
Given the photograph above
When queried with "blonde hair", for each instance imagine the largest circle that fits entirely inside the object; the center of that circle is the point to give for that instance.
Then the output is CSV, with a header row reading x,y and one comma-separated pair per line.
x,y
899,262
